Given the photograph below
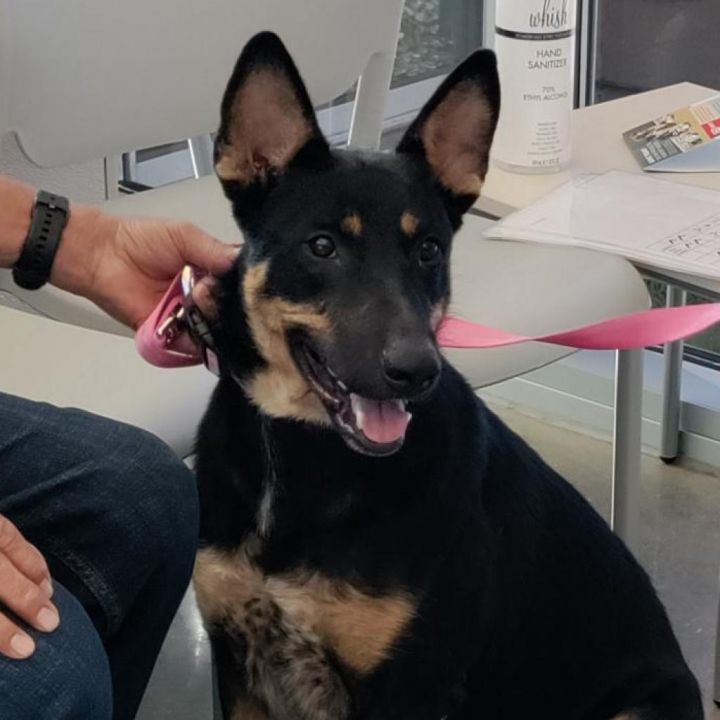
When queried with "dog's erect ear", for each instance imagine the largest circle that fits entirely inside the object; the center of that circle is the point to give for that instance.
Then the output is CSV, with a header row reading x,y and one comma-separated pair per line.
x,y
455,128
266,115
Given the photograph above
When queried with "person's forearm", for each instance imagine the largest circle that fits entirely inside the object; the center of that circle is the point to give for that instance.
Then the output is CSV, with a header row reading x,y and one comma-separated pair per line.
x,y
75,256
124,265
16,202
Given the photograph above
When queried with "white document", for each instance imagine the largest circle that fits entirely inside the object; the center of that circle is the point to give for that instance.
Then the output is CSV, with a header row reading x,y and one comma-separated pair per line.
x,y
664,224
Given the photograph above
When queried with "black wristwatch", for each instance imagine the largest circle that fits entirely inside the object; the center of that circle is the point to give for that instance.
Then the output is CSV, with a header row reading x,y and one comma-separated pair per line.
x,y
49,217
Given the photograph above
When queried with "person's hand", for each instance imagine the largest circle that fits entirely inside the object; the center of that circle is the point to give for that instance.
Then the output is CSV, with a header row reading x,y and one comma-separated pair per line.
x,y
25,589
125,265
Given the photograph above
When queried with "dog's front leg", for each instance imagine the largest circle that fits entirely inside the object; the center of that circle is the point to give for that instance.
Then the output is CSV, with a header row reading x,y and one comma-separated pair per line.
x,y
230,670
268,665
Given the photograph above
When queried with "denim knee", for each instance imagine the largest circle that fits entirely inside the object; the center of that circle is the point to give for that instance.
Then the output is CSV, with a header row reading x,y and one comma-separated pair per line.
x,y
68,676
152,480
151,484
130,514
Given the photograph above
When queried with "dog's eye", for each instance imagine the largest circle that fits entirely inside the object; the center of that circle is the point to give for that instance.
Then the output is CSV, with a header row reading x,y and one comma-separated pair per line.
x,y
430,253
322,246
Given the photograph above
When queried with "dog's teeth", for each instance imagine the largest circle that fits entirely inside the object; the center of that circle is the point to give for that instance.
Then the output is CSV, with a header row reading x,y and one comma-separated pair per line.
x,y
357,411
342,386
399,404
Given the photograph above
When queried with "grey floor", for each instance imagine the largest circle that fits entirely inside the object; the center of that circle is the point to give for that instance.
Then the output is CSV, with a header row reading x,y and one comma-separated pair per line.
x,y
680,549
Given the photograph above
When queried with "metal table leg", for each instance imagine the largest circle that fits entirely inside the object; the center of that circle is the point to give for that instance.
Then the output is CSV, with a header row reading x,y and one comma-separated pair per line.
x,y
716,686
671,402
627,446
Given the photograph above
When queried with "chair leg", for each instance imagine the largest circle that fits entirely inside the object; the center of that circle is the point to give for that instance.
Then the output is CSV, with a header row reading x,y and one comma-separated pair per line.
x,y
627,446
670,420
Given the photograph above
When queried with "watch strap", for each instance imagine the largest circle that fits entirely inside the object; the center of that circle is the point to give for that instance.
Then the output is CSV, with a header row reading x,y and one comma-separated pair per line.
x,y
49,218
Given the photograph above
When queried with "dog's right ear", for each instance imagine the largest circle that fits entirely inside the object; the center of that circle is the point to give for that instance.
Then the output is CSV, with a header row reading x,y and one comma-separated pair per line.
x,y
266,119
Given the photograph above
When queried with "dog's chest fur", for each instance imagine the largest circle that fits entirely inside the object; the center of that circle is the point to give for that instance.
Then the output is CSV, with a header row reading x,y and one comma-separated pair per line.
x,y
315,564
297,629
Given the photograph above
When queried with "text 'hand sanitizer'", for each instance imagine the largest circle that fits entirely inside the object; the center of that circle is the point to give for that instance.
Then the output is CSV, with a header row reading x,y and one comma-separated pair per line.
x,y
535,45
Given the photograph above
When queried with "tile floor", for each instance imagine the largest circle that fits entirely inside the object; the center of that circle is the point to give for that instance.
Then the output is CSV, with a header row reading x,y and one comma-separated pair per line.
x,y
680,548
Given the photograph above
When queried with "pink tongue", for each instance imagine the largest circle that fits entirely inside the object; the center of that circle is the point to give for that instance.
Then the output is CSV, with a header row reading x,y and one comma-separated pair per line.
x,y
382,422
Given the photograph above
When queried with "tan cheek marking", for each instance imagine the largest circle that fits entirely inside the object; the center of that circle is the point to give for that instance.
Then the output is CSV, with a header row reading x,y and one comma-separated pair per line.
x,y
280,390
409,223
457,139
352,225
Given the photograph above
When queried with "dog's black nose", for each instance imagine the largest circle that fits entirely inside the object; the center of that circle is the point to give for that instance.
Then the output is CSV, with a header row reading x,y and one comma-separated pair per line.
x,y
411,368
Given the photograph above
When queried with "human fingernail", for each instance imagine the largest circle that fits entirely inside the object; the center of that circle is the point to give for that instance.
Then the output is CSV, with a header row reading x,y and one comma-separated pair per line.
x,y
47,586
22,645
48,619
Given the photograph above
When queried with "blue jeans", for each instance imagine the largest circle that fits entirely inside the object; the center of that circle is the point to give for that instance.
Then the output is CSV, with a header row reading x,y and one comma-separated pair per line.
x,y
115,513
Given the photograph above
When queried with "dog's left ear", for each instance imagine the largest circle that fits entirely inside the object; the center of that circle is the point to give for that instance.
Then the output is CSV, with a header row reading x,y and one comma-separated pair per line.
x,y
454,130
266,117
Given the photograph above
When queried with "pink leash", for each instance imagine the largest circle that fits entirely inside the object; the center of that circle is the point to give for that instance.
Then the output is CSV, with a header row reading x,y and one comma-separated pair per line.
x,y
163,339
642,329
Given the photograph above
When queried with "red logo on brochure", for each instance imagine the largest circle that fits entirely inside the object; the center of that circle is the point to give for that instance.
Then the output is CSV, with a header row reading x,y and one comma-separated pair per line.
x,y
712,128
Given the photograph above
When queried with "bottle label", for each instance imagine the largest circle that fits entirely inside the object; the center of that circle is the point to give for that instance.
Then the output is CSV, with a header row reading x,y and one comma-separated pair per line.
x,y
535,45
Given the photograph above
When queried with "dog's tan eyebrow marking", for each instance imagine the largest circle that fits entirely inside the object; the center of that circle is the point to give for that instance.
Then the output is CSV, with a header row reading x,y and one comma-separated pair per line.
x,y
352,224
409,223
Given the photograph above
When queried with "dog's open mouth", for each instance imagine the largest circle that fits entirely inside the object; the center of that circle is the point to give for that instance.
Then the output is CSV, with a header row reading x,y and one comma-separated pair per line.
x,y
372,427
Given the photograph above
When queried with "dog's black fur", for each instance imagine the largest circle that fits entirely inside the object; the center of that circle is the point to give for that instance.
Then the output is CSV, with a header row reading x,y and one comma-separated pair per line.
x,y
512,597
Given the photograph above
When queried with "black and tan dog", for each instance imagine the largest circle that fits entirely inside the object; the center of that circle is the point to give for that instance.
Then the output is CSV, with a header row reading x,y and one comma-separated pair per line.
x,y
379,545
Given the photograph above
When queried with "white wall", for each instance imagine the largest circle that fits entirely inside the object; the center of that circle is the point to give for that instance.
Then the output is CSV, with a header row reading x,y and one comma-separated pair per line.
x,y
81,183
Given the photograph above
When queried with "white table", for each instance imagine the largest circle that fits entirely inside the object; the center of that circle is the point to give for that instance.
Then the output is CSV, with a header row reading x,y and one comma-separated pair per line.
x,y
598,147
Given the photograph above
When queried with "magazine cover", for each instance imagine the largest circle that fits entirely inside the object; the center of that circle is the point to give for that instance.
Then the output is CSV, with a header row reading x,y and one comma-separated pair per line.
x,y
680,140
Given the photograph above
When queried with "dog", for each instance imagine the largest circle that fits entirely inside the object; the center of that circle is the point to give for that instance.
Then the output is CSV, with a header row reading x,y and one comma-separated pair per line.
x,y
377,545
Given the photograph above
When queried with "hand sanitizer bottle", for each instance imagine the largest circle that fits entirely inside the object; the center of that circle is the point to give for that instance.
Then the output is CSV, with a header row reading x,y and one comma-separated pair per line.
x,y
535,45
